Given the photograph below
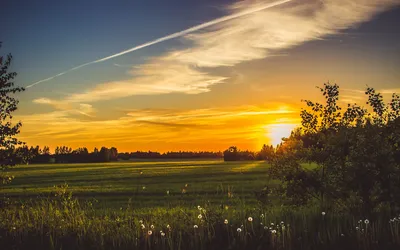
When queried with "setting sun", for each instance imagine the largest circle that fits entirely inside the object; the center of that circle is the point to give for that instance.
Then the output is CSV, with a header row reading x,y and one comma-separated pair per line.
x,y
275,132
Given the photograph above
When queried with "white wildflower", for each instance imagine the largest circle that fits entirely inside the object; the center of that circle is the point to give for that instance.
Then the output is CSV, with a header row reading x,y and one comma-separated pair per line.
x,y
226,222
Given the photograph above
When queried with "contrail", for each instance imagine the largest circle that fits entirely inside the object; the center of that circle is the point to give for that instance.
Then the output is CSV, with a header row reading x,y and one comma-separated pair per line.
x,y
172,36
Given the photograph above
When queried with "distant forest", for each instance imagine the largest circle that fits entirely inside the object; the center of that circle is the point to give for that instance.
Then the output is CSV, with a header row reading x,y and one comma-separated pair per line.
x,y
64,154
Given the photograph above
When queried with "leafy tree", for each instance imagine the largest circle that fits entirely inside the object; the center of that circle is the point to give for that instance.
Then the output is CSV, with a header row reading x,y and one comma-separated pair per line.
x,y
356,152
104,154
8,130
267,153
231,154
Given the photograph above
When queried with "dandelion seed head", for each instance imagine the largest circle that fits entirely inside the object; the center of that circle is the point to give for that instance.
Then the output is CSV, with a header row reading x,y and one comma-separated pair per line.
x,y
195,226
366,221
272,224
198,207
342,235
323,213
265,227
273,231
357,228
226,222
239,230
152,226
150,232
250,219
142,226
200,216
262,215
162,234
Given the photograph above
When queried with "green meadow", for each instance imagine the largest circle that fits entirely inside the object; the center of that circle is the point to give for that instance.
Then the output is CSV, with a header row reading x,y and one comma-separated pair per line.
x,y
171,205
144,184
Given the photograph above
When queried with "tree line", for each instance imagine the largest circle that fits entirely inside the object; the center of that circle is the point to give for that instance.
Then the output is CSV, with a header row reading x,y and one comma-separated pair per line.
x,y
64,154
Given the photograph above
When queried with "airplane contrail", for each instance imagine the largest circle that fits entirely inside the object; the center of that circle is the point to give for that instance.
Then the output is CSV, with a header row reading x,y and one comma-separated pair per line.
x,y
171,36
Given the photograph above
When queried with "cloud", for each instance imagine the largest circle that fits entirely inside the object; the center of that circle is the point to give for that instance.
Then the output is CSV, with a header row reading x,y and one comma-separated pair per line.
x,y
250,32
245,12
160,126
389,91
68,107
161,76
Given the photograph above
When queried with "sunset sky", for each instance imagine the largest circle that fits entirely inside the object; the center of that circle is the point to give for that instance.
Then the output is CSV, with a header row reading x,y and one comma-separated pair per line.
x,y
200,75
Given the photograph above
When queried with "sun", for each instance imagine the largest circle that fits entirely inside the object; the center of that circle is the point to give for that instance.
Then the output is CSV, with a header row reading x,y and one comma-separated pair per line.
x,y
275,132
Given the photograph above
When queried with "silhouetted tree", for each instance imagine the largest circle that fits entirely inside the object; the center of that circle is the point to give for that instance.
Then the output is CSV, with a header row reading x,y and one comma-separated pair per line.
x,y
357,153
267,153
8,130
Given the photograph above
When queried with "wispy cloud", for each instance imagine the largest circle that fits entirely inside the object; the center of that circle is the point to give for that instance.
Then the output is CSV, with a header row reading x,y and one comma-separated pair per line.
x,y
235,15
252,31
143,127
68,107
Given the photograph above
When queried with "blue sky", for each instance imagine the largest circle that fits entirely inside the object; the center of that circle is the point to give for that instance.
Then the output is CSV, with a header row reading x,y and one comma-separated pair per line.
x,y
263,61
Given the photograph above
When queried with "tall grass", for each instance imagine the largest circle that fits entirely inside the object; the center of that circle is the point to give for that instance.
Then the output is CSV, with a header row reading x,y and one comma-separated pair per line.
x,y
64,222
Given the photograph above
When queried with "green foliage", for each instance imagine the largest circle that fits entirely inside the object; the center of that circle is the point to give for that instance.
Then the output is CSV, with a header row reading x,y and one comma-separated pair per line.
x,y
356,151
8,130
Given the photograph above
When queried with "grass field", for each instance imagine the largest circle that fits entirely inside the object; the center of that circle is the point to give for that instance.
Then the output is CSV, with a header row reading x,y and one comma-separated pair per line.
x,y
166,213
146,184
